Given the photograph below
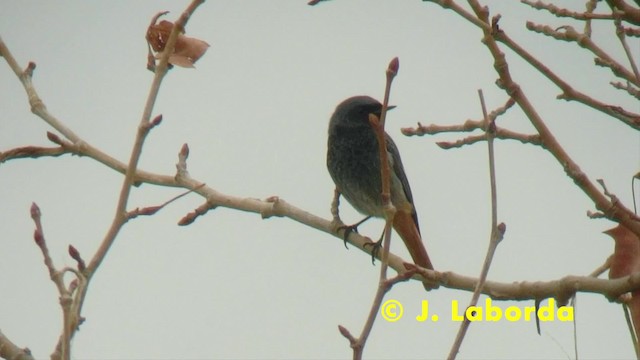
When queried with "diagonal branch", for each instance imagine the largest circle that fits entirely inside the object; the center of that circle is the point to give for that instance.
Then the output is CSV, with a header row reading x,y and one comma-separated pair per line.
x,y
569,93
623,40
9,350
569,34
615,211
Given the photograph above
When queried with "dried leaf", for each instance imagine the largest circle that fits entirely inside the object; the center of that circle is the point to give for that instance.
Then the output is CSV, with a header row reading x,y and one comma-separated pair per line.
x,y
626,254
187,50
626,261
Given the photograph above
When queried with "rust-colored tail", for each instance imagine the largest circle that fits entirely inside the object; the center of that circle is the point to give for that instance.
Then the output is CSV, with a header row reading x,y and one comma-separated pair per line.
x,y
405,225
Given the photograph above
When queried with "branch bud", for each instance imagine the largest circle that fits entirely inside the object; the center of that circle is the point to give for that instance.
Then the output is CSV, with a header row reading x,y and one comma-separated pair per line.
x,y
75,255
54,138
156,121
184,151
38,237
35,211
394,66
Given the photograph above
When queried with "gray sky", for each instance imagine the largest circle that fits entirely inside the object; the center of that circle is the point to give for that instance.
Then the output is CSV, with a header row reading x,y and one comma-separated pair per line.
x,y
254,114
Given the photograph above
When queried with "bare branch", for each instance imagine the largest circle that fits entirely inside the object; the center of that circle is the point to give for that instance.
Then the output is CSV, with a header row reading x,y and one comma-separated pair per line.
x,y
152,210
568,33
590,7
630,13
143,129
569,93
32,152
471,125
389,212
630,89
621,36
501,133
492,34
497,231
63,347
562,12
199,211
9,350
635,32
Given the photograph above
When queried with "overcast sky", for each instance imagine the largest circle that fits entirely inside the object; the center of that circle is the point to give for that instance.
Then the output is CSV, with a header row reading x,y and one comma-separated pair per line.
x,y
255,113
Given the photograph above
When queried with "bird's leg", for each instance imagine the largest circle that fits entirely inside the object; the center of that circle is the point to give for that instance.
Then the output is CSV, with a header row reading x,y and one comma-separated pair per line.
x,y
348,229
335,207
375,247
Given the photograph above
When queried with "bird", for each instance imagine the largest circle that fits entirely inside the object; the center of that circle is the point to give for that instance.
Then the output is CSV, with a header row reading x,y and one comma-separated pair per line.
x,y
353,161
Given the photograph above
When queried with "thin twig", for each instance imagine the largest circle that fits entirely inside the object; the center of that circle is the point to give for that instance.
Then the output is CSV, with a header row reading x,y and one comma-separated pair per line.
x,y
562,12
503,134
389,212
471,125
63,348
497,232
32,152
629,31
632,332
37,105
568,33
630,89
590,7
627,50
152,210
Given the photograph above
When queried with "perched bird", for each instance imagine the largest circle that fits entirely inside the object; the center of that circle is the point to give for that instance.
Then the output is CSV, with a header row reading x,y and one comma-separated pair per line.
x,y
353,160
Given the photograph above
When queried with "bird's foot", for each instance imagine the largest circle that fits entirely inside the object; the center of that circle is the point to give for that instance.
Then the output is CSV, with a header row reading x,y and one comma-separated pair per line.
x,y
348,229
375,248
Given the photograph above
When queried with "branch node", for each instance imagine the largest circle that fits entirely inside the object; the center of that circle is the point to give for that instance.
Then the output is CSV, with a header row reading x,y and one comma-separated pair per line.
x,y
181,166
343,330
28,71
274,209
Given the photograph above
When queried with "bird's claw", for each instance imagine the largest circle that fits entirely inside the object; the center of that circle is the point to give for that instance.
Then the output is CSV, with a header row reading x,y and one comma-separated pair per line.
x,y
348,229
375,248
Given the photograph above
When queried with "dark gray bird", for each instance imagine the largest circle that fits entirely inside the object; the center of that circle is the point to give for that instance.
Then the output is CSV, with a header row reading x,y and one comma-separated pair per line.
x,y
353,160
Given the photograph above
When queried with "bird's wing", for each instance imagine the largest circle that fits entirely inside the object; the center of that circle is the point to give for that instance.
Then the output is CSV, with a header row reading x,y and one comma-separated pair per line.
x,y
398,169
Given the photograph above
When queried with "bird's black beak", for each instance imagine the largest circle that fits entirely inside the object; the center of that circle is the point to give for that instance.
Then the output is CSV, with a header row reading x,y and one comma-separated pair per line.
x,y
389,107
